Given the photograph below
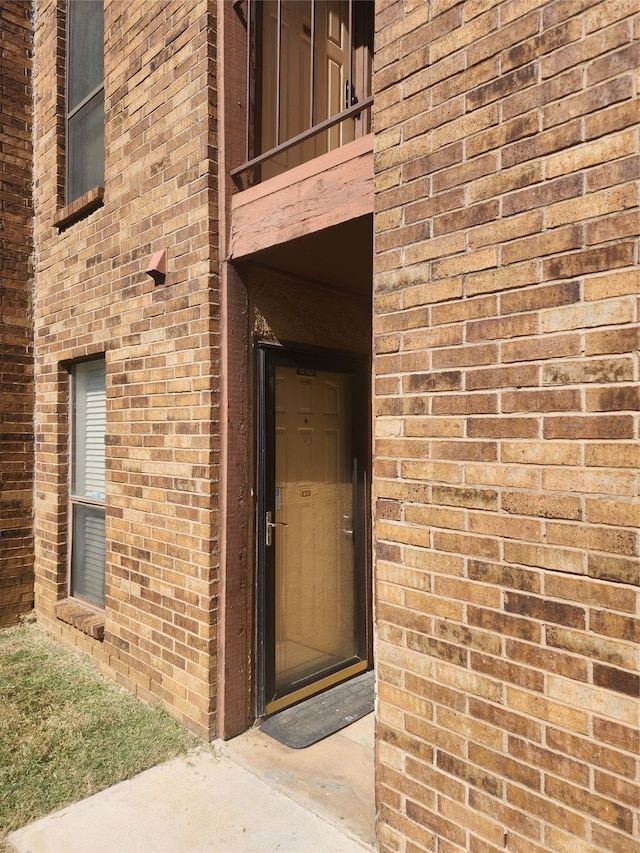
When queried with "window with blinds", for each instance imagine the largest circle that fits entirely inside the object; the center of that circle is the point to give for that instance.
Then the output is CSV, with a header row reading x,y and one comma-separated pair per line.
x,y
88,481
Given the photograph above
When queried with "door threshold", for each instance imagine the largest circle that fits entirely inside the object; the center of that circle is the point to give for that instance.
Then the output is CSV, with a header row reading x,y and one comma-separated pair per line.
x,y
317,686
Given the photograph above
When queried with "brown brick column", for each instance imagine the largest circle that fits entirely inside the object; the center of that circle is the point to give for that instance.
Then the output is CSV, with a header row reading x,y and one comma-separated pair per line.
x,y
16,351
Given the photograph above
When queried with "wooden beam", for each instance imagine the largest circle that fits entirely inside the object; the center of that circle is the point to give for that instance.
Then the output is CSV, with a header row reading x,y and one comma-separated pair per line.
x,y
328,190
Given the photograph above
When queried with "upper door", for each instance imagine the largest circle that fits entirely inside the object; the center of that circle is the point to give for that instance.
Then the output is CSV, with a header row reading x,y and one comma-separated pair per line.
x,y
314,62
312,521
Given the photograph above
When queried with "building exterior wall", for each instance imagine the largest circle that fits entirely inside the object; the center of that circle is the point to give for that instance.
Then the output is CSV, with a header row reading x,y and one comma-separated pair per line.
x,y
161,342
506,422
505,402
16,352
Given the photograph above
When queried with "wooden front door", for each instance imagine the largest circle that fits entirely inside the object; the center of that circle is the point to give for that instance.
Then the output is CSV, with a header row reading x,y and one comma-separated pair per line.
x,y
311,523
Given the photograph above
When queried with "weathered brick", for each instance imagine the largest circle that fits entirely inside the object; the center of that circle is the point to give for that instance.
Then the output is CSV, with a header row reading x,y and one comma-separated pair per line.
x,y
616,679
523,826
545,610
598,700
504,133
612,228
547,660
603,370
556,559
470,773
592,205
513,626
581,480
614,540
16,314
505,720
560,240
611,174
465,356
611,341
495,185
613,399
501,427
614,625
516,275
546,809
501,377
617,735
564,400
545,506
528,181
590,646
615,63
612,841
618,569
581,800
612,512
558,712
504,575
591,260
620,426
467,404
536,349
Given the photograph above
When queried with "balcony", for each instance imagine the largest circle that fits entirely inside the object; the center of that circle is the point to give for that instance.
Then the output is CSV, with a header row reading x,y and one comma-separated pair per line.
x,y
309,66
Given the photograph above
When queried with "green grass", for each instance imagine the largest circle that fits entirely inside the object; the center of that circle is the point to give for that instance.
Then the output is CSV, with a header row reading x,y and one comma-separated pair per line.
x,y
66,732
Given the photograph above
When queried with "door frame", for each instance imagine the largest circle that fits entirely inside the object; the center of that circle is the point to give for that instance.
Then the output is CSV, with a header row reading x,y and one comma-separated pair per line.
x,y
268,356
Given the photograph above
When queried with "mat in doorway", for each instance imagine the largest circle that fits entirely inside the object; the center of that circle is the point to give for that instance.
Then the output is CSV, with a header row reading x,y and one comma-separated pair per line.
x,y
322,715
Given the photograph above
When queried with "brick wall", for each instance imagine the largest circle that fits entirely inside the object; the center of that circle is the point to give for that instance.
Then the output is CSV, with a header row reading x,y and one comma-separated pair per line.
x,y
161,344
16,353
506,404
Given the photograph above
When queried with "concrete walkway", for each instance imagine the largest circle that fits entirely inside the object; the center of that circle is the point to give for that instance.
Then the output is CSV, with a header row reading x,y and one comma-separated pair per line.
x,y
249,795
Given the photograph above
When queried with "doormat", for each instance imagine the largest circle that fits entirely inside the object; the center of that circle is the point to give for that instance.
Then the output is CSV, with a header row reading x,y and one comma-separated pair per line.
x,y
322,715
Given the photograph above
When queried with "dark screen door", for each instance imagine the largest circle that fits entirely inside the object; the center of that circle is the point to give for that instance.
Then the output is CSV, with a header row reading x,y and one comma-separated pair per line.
x,y
311,524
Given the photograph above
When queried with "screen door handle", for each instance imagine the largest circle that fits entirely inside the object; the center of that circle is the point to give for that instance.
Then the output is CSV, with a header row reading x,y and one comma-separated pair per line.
x,y
269,527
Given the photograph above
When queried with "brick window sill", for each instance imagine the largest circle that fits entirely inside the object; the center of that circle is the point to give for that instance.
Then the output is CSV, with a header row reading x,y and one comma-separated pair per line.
x,y
78,209
82,617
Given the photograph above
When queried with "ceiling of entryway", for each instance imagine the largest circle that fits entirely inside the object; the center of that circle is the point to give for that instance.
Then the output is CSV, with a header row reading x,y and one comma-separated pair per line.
x,y
340,256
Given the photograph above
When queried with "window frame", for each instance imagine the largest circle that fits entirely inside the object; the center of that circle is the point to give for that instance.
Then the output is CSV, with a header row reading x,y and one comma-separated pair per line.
x,y
90,196
76,500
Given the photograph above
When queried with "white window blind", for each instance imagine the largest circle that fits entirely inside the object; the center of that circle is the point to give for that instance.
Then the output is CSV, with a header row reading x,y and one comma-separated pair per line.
x,y
89,420
87,571
88,481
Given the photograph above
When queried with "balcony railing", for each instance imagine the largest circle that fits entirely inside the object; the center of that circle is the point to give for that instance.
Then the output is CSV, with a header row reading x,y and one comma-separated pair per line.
x,y
308,80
